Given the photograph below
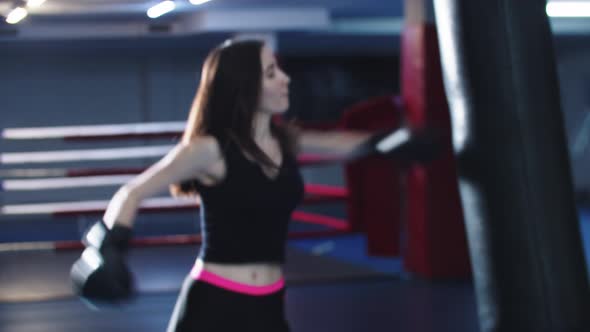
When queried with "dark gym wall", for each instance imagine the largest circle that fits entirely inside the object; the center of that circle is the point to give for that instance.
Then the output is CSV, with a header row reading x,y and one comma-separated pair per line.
x,y
82,86
80,83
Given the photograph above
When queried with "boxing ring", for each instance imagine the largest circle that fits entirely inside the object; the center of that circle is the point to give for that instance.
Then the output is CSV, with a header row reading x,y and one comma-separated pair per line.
x,y
20,174
23,180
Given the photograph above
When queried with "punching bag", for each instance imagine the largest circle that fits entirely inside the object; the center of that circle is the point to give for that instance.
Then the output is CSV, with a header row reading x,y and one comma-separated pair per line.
x,y
513,168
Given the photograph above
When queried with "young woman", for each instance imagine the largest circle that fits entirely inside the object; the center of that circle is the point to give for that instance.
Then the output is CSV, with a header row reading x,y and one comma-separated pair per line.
x,y
243,166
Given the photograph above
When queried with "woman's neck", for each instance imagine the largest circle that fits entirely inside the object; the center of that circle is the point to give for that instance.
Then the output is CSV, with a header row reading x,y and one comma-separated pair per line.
x,y
262,127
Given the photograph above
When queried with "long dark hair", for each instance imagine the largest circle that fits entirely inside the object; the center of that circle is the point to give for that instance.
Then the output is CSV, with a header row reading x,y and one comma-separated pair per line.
x,y
226,101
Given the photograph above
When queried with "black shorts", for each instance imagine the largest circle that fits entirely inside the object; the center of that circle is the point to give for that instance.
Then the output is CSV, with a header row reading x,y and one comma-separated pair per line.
x,y
204,307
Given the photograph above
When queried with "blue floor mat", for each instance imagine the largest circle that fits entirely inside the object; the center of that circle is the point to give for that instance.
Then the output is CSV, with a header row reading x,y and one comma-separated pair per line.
x,y
351,249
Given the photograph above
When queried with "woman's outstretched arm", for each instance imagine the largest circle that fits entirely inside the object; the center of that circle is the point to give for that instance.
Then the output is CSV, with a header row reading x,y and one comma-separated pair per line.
x,y
337,143
183,162
401,143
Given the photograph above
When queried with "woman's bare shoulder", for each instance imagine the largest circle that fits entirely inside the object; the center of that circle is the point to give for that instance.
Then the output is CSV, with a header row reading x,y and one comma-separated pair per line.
x,y
206,146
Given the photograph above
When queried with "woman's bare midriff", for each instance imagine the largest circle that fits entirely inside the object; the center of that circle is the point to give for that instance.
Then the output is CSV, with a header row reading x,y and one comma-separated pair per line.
x,y
258,274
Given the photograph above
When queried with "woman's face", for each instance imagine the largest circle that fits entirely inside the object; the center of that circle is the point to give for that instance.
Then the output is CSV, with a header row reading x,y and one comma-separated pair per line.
x,y
274,94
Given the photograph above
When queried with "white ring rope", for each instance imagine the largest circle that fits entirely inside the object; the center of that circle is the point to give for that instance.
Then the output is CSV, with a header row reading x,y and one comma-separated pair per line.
x,y
81,207
92,130
63,183
84,155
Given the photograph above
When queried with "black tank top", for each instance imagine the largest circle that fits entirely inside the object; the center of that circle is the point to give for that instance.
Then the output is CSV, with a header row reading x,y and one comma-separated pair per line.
x,y
245,217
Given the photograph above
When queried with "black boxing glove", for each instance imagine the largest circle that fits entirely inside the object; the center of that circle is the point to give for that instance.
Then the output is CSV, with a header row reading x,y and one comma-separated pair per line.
x,y
402,144
101,276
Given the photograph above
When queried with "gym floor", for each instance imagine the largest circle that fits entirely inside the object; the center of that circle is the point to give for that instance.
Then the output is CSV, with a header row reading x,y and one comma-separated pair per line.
x,y
332,286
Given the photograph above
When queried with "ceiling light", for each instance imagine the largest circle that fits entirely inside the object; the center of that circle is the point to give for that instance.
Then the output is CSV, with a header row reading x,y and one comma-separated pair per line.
x,y
568,9
198,2
16,15
35,3
161,9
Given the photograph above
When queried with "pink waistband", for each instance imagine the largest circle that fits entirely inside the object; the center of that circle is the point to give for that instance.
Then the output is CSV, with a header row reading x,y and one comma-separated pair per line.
x,y
219,281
